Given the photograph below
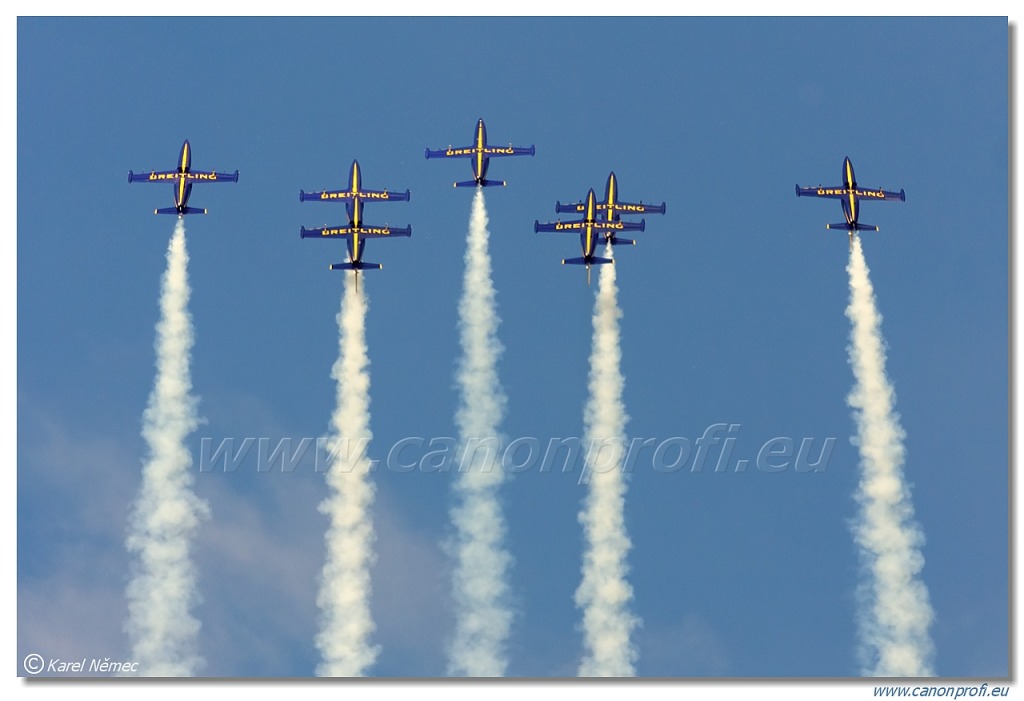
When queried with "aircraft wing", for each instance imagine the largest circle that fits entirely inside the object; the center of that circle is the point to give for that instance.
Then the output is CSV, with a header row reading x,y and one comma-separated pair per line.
x,y
165,176
617,208
582,224
510,150
889,195
841,193
211,176
487,151
559,226
572,207
153,176
345,231
367,195
834,193
634,208
619,225
466,152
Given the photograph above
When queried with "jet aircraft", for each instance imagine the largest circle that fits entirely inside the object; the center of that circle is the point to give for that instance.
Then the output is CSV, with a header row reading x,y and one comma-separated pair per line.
x,y
182,179
356,230
611,208
850,196
590,227
480,153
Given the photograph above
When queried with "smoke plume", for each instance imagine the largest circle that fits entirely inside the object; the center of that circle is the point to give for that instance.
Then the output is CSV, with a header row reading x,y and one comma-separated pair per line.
x,y
604,594
166,514
344,597
894,610
483,616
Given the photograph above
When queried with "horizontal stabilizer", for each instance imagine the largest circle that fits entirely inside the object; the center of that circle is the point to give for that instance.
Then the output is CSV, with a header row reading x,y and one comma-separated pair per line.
x,y
615,241
482,183
174,210
852,227
356,266
596,260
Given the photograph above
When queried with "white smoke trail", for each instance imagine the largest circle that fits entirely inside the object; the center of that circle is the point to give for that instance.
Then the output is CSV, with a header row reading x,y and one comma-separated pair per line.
x,y
344,597
604,593
167,512
895,612
483,616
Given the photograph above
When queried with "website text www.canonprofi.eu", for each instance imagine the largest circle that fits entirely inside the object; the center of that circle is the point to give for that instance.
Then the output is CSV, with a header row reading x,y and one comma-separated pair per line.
x,y
720,448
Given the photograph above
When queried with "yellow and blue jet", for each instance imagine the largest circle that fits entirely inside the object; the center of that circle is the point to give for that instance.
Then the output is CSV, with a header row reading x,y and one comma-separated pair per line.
x,y
356,230
590,228
850,196
611,208
480,154
182,178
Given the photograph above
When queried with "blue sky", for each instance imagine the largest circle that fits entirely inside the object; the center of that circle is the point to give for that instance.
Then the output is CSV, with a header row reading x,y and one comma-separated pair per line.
x,y
733,307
